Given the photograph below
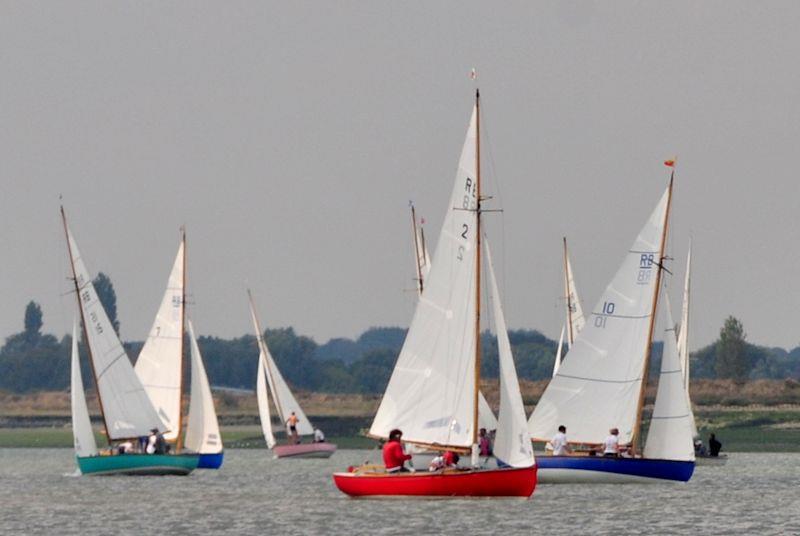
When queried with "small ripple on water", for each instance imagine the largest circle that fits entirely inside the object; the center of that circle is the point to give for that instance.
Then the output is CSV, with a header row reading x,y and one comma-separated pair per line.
x,y
254,493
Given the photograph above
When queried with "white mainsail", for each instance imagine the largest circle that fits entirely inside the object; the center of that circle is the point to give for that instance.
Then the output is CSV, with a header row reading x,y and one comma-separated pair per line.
x,y
670,433
683,333
202,429
421,255
430,395
82,434
512,443
127,410
599,382
263,401
159,365
282,396
575,319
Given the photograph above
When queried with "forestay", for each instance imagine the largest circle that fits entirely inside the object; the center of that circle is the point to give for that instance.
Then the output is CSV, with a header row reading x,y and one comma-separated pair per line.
x,y
159,365
284,400
127,410
512,444
598,384
430,395
202,430
82,434
670,433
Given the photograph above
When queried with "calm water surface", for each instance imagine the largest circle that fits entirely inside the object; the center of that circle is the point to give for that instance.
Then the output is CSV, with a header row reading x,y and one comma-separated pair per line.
x,y
254,494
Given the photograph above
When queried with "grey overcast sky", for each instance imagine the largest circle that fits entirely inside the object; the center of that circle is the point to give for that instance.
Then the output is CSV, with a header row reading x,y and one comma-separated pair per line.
x,y
289,137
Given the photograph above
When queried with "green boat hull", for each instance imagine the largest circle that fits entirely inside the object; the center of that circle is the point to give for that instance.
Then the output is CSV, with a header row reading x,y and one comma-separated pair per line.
x,y
139,464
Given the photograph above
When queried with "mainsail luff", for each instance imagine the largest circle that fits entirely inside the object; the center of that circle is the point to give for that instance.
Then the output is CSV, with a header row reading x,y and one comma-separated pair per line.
x,y
575,319
420,283
477,385
649,345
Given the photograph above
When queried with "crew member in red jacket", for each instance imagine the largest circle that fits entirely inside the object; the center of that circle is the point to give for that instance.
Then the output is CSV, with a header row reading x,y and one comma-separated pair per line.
x,y
393,456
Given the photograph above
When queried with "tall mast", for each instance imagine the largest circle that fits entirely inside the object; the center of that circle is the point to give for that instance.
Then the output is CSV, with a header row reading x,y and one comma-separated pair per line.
x,y
83,324
178,439
261,348
477,266
656,292
570,335
416,248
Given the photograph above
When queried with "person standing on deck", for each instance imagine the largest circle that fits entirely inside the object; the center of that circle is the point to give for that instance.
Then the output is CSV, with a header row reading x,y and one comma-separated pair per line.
x,y
611,444
559,442
484,443
291,422
714,446
393,456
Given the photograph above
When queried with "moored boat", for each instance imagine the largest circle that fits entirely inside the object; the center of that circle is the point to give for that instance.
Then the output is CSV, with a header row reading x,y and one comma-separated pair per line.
x,y
433,395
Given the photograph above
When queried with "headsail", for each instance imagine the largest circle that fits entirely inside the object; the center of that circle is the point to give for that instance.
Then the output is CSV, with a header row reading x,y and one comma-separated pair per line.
x,y
430,395
559,349
600,379
82,434
683,333
263,401
670,433
160,363
281,394
202,430
575,319
512,444
421,256
127,410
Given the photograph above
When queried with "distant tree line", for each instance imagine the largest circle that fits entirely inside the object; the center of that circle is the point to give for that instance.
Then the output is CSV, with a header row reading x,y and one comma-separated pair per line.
x,y
32,361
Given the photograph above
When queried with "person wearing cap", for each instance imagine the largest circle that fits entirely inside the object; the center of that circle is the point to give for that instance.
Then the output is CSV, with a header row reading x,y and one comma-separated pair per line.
x,y
393,456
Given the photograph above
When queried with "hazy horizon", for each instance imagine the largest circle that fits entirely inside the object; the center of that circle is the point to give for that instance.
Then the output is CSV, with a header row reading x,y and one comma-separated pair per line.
x,y
290,138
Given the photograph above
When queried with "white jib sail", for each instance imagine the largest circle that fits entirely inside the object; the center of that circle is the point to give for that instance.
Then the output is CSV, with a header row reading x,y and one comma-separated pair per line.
x,y
127,410
683,333
263,402
512,444
82,434
430,395
557,362
670,433
281,394
575,318
159,365
597,386
202,429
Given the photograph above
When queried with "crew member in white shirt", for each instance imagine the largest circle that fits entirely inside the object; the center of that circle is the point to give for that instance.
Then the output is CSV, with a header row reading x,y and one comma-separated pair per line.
x,y
559,442
611,443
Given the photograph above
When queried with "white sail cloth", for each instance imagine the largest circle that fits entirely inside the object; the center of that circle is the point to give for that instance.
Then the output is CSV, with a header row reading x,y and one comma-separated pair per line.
x,y
159,365
127,410
670,433
202,429
512,443
263,401
598,384
82,434
559,349
575,319
430,395
282,396
683,333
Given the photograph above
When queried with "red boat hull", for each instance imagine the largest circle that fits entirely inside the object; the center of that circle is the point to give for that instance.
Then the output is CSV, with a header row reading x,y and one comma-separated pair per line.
x,y
304,450
508,482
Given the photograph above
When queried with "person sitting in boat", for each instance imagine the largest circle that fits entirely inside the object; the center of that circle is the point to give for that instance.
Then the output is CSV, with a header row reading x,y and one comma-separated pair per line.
x,y
447,460
125,448
714,446
393,456
484,443
611,443
699,448
559,442
319,437
151,442
291,422
161,444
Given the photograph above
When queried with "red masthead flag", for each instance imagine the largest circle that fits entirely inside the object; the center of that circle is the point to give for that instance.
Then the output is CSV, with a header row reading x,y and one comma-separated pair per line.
x,y
670,162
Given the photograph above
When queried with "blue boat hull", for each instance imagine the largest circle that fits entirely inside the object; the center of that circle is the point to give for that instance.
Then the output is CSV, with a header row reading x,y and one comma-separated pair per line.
x,y
598,469
210,461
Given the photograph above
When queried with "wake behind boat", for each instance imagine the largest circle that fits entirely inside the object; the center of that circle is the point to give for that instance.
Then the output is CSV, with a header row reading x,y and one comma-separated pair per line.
x,y
127,412
433,394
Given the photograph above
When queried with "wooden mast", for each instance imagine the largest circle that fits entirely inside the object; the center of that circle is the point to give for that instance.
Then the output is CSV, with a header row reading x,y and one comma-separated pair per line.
x,y
569,296
179,439
649,345
416,249
477,267
83,324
